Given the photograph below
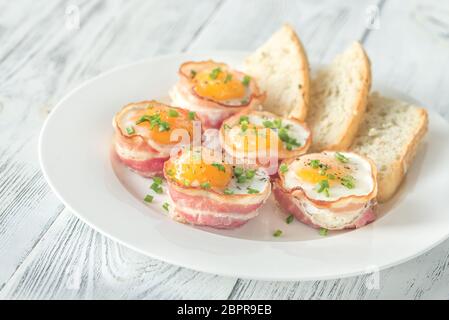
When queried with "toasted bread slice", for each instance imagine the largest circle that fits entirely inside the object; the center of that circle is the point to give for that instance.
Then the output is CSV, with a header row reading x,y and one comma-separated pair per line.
x,y
338,99
390,134
281,69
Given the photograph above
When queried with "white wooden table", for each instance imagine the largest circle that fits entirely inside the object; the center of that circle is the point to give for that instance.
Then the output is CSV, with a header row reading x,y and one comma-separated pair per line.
x,y
45,252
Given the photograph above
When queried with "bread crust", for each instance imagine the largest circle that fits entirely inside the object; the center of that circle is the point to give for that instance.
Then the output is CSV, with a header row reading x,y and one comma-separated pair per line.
x,y
391,180
352,125
298,111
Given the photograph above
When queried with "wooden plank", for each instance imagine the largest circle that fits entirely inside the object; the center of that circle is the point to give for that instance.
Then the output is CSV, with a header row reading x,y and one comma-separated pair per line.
x,y
325,31
411,48
74,261
40,61
325,27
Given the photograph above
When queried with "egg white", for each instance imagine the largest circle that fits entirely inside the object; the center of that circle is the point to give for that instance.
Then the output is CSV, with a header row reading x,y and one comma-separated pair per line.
x,y
360,169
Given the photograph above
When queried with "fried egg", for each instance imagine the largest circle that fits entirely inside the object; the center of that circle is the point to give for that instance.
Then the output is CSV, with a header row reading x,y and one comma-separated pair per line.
x,y
198,169
160,125
214,91
261,134
331,176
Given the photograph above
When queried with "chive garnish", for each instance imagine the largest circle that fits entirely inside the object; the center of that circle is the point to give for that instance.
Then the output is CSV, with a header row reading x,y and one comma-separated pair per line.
x,y
283,168
268,124
215,72
228,191
277,233
156,187
323,232
315,164
192,73
289,219
191,115
323,186
205,185
228,78
250,173
252,190
166,206
340,157
173,113
348,182
157,180
219,166
148,198
246,80
130,130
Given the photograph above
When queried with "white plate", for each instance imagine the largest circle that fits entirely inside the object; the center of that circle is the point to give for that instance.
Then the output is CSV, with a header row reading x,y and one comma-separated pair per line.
x,y
75,158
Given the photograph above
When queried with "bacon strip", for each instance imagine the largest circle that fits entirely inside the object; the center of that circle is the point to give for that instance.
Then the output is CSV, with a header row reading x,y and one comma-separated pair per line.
x,y
290,204
213,209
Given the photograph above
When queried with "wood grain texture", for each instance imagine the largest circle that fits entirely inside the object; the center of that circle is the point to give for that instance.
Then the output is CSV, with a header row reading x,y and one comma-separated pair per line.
x,y
411,48
44,256
40,61
74,261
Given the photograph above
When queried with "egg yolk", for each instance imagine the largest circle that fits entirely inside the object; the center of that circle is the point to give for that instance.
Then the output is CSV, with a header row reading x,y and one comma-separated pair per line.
x,y
190,169
254,139
327,170
166,120
219,85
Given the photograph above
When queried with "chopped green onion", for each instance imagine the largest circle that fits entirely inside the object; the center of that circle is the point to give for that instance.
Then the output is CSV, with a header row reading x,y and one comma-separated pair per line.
x,y
238,171
244,119
226,126
241,179
323,232
277,123
205,185
157,180
323,186
173,113
246,80
191,115
219,166
244,126
277,233
250,173
192,73
148,198
228,191
340,157
155,120
315,164
268,124
164,126
289,219
331,176
283,168
214,74
348,182
166,205
228,78
130,130
156,187
252,191
244,101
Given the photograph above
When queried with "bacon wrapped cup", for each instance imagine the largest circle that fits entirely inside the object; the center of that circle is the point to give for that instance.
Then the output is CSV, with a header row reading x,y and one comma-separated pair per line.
x,y
329,190
212,193
145,134
214,91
